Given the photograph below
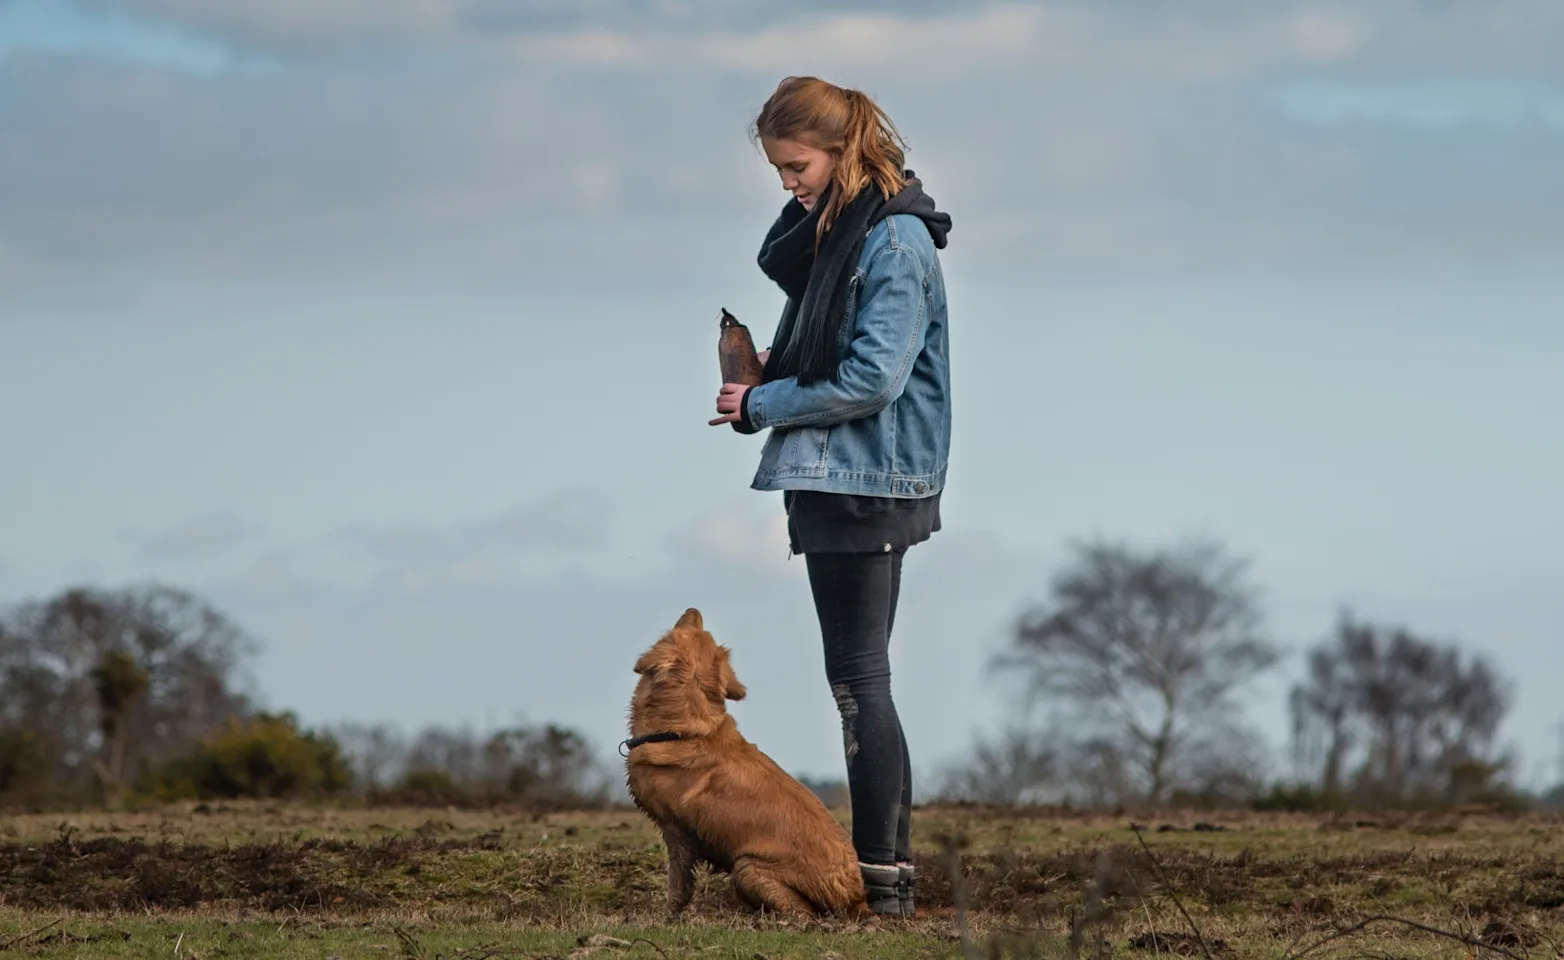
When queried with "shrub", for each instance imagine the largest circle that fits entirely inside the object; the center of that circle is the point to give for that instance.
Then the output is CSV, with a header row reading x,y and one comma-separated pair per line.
x,y
24,766
1300,799
265,756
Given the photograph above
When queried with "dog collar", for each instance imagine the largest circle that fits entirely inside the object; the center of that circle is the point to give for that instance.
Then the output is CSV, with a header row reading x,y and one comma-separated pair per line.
x,y
634,742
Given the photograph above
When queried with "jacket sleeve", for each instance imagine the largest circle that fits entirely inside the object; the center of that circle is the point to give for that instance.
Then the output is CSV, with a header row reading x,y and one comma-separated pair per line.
x,y
888,333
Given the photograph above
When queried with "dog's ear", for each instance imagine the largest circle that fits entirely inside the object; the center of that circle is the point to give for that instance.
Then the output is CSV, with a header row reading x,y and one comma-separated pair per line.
x,y
731,687
692,618
652,660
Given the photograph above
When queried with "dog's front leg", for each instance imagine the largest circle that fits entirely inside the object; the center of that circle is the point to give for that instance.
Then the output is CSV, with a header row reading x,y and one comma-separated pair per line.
x,y
681,867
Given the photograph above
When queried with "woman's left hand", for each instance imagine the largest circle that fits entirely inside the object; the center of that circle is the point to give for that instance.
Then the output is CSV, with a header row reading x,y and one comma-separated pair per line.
x,y
730,401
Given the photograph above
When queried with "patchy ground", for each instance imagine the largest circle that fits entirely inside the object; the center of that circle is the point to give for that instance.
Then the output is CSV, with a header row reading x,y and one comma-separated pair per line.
x,y
255,880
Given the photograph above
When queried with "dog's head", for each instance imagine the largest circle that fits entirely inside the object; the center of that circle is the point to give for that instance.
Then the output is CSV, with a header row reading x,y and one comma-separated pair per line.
x,y
687,667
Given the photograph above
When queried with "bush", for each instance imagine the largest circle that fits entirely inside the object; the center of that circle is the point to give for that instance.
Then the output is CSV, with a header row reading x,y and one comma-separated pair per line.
x,y
265,756
24,766
1300,799
424,788
538,768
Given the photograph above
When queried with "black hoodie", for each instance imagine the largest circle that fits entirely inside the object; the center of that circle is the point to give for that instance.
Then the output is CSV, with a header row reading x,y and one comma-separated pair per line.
x,y
815,281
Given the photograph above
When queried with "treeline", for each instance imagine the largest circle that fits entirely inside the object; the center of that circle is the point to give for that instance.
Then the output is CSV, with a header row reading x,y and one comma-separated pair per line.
x,y
1129,679
1138,659
142,694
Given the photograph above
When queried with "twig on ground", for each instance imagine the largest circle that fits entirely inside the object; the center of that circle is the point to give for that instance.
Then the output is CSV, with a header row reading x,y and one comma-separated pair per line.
x,y
951,854
15,941
1157,866
649,943
1151,925
1092,910
410,948
1413,924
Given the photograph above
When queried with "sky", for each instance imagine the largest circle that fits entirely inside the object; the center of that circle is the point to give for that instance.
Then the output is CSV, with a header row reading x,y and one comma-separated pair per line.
x,y
389,327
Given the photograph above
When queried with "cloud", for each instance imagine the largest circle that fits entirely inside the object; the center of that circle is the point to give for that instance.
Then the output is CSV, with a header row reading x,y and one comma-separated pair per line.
x,y
855,41
568,524
305,26
10,582
557,643
199,537
61,26
525,149
292,23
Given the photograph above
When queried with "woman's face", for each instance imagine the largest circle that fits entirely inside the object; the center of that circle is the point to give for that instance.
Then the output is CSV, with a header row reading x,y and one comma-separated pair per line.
x,y
806,172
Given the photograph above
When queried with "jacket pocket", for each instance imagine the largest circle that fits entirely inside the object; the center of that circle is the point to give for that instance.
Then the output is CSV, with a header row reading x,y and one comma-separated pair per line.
x,y
806,451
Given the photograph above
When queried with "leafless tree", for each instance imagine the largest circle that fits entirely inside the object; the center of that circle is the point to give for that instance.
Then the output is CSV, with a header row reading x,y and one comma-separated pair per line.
x,y
119,681
1323,716
1020,765
535,764
375,752
1413,716
550,764
1149,647
108,681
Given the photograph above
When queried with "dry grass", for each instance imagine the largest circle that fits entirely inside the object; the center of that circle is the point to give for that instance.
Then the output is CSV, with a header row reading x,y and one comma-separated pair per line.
x,y
246,880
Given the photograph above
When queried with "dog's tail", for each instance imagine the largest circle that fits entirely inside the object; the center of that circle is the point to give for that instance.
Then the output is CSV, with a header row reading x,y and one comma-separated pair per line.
x,y
839,893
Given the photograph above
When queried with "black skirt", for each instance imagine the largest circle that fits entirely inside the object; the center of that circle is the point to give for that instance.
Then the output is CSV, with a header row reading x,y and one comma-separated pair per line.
x,y
849,523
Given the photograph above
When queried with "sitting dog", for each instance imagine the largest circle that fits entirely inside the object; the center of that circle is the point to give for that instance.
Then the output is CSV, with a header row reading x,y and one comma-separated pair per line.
x,y
718,799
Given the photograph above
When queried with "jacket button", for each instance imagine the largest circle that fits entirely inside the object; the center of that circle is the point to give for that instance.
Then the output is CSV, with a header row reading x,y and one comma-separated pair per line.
x,y
920,486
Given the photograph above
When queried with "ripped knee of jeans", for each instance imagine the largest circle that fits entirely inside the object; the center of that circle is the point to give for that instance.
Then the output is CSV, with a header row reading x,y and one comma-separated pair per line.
x,y
847,705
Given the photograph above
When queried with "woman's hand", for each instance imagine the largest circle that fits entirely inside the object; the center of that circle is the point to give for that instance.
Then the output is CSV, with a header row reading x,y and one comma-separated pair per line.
x,y
730,401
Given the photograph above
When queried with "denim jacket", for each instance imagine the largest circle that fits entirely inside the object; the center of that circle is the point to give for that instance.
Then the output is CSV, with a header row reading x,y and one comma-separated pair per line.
x,y
883,426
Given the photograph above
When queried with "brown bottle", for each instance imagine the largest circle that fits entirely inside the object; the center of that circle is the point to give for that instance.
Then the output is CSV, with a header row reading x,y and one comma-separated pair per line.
x,y
736,352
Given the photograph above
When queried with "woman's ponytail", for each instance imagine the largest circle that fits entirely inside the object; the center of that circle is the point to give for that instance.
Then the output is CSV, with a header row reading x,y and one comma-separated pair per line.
x,y
845,122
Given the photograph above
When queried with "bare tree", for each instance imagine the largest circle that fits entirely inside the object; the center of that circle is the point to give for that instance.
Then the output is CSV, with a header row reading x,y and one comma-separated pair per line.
x,y
108,681
1018,766
1413,715
1149,647
118,681
376,752
548,764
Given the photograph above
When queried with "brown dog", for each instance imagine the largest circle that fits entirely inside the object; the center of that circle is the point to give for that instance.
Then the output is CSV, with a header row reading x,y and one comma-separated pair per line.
x,y
717,798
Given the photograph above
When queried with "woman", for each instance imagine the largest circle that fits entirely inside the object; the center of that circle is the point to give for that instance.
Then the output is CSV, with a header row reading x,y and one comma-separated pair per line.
x,y
856,393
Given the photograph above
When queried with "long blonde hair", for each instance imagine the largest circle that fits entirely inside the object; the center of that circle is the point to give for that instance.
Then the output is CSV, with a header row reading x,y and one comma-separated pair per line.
x,y
843,122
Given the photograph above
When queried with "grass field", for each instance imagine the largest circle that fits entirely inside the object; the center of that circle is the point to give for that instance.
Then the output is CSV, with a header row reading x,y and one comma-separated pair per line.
x,y
257,880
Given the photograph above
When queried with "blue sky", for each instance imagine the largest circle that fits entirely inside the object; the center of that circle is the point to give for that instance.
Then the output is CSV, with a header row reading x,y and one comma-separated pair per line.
x,y
389,326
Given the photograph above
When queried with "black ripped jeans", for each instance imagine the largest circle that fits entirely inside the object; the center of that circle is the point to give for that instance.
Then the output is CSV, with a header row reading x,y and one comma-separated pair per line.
x,y
855,598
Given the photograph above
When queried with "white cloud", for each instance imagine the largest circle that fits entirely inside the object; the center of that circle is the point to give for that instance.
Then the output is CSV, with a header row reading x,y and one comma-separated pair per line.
x,y
597,182
1327,35
1082,136
202,536
558,644
566,525
740,537
303,22
826,43
866,41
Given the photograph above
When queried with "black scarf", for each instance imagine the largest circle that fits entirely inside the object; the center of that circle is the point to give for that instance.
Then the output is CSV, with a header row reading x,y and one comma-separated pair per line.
x,y
816,281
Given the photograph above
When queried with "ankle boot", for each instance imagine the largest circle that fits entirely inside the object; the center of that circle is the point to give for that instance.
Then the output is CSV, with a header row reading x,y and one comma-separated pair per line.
x,y
906,888
882,885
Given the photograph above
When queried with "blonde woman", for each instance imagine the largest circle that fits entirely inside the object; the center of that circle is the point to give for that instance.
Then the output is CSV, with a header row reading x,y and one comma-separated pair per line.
x,y
856,395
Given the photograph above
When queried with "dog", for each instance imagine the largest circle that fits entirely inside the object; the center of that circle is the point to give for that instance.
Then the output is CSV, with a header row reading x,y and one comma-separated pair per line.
x,y
718,799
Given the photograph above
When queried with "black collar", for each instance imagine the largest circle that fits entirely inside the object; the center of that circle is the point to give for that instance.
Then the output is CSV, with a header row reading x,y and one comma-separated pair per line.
x,y
634,742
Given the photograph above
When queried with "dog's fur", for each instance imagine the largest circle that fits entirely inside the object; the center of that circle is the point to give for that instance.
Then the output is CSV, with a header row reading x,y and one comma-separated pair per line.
x,y
717,798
